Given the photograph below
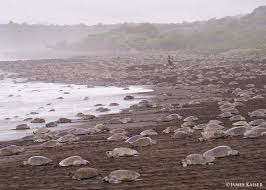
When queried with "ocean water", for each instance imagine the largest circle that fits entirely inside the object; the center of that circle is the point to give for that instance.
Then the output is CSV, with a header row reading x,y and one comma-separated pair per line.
x,y
19,99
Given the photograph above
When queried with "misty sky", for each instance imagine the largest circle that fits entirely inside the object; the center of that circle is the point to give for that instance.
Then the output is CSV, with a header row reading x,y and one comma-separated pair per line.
x,y
117,11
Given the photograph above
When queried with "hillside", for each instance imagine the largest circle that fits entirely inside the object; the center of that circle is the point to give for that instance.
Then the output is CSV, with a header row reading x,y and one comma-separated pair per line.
x,y
15,36
214,35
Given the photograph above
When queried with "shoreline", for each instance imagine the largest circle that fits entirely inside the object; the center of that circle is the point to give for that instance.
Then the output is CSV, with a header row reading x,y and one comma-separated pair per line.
x,y
193,92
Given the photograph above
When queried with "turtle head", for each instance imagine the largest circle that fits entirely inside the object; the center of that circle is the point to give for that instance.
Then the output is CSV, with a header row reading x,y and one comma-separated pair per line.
x,y
25,163
109,154
234,152
184,163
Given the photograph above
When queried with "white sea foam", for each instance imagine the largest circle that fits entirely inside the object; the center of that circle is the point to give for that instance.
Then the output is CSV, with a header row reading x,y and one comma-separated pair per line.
x,y
18,99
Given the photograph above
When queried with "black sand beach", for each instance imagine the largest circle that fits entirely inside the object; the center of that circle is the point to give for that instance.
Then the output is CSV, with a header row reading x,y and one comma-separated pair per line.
x,y
194,86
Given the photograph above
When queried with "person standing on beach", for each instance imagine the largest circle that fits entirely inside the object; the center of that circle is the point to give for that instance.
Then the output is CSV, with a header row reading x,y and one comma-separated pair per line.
x,y
170,60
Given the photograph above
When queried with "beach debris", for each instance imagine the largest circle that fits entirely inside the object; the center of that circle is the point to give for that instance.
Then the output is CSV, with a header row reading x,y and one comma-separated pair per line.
x,y
73,161
119,176
122,152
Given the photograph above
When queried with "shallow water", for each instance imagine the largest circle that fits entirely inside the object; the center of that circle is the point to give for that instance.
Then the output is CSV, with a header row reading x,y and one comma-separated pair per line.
x,y
18,99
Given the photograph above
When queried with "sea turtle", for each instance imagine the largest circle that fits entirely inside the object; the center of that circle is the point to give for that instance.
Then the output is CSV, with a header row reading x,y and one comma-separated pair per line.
x,y
113,104
262,125
188,124
50,144
129,97
119,176
200,126
257,122
51,124
37,161
102,109
122,152
237,118
217,122
211,134
42,130
196,159
213,127
63,120
73,161
149,132
11,150
85,173
180,135
174,116
144,141
254,132
226,115
93,130
38,120
241,123
120,131
126,120
219,152
170,129
187,130
133,138
22,127
68,138
101,127
117,137
88,117
79,131
236,131
191,119
257,113
40,138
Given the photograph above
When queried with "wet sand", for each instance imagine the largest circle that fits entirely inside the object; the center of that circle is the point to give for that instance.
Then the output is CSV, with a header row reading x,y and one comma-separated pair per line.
x,y
159,165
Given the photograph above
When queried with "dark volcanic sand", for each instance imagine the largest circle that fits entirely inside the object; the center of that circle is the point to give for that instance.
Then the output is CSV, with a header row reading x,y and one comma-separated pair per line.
x,y
159,165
